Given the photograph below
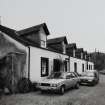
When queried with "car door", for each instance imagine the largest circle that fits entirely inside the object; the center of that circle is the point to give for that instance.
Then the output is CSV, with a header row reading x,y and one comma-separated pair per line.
x,y
73,79
69,81
77,78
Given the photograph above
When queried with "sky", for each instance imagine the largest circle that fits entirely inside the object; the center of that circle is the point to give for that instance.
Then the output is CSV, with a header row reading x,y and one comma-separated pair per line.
x,y
81,21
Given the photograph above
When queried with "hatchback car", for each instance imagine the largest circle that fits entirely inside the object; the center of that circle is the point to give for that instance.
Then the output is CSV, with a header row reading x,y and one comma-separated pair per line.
x,y
59,82
90,77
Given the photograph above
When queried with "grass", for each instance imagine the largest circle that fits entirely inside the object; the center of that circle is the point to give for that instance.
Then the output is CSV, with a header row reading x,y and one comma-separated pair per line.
x,y
86,95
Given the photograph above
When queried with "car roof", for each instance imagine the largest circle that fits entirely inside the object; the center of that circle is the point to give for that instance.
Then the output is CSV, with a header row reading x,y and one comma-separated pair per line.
x,y
91,71
63,72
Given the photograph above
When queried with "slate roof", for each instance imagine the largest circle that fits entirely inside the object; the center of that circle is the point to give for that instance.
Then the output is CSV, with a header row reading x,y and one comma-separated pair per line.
x,y
12,33
79,50
34,28
71,46
15,35
57,40
85,52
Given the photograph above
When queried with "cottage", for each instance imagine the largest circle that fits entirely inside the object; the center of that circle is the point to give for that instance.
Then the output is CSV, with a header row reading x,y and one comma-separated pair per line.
x,y
79,59
40,60
29,54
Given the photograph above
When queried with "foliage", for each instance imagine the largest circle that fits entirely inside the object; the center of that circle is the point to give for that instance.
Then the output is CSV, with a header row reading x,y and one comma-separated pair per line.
x,y
99,60
24,85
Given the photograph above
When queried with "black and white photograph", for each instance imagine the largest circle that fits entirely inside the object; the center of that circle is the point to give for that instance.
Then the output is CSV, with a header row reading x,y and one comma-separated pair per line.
x,y
52,52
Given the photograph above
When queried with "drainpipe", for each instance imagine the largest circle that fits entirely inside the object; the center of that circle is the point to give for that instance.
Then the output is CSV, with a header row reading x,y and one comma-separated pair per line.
x,y
69,63
12,73
28,62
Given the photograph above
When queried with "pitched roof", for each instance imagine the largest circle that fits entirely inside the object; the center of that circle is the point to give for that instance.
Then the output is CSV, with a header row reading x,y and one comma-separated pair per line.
x,y
12,33
57,40
79,50
85,52
34,28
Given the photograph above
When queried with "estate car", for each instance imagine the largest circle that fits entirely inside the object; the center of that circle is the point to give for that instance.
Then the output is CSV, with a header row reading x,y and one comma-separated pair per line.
x,y
90,77
59,82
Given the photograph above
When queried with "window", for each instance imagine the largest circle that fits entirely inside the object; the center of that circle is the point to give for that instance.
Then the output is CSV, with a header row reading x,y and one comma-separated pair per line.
x,y
87,66
65,63
72,75
68,76
44,67
43,43
82,67
91,67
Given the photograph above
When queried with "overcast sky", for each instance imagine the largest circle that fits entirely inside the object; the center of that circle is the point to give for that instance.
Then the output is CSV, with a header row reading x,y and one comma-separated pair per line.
x,y
82,21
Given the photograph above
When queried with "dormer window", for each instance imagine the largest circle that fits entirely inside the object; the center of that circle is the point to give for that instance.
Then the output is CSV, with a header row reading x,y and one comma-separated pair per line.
x,y
64,47
36,34
81,55
74,52
58,44
43,43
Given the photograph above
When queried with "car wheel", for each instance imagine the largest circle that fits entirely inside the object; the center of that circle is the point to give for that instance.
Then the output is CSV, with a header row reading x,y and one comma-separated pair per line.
x,y
77,86
62,90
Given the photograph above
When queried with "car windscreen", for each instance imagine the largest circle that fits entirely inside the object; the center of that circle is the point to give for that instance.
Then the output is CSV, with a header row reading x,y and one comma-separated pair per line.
x,y
89,74
56,76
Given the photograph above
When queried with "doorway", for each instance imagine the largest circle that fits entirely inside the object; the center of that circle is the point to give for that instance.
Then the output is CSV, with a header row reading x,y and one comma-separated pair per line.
x,y
75,67
56,65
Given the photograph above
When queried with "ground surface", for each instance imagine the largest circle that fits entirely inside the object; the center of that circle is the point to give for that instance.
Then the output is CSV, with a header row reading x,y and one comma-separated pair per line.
x,y
86,95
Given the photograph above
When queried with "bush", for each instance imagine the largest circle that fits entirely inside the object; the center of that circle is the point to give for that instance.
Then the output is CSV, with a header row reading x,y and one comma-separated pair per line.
x,y
24,85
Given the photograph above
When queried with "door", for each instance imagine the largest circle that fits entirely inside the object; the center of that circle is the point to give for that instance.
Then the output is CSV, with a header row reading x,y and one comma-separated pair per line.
x,y
56,65
6,73
74,79
75,67
82,67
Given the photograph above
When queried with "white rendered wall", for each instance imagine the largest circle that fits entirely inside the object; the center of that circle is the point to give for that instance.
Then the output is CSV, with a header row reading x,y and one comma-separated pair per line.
x,y
91,64
35,61
22,48
79,64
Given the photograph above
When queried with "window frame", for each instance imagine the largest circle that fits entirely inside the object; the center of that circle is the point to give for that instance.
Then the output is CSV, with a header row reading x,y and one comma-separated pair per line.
x,y
43,43
43,59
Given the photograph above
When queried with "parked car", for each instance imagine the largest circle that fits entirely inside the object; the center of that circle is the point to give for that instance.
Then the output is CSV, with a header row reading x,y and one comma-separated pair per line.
x,y
78,76
59,82
90,77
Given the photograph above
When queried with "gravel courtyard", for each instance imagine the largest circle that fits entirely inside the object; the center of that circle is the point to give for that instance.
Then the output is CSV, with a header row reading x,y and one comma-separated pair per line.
x,y
86,95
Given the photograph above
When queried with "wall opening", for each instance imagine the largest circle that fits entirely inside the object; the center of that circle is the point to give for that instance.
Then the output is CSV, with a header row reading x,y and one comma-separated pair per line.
x,y
44,66
56,65
75,67
82,67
